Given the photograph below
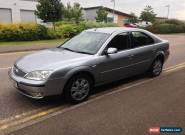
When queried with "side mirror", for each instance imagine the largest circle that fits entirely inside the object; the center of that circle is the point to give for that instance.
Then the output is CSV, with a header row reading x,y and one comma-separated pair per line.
x,y
111,50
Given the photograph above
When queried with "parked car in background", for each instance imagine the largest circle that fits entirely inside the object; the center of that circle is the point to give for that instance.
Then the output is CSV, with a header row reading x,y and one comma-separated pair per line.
x,y
94,57
143,24
130,25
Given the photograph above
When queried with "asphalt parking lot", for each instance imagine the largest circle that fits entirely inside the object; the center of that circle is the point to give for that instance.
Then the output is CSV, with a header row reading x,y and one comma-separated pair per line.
x,y
150,103
131,111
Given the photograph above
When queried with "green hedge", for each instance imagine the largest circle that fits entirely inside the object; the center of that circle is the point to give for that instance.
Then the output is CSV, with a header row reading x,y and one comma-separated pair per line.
x,y
24,32
29,32
68,30
174,21
167,27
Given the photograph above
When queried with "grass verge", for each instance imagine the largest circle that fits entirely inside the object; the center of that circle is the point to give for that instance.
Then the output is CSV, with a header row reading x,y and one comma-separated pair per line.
x,y
40,42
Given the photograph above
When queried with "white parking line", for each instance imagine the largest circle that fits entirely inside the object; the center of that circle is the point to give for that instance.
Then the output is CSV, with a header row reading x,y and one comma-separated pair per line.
x,y
14,53
5,68
171,67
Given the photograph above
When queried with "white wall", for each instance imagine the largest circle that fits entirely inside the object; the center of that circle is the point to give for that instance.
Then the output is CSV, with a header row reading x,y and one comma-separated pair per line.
x,y
16,6
5,15
90,14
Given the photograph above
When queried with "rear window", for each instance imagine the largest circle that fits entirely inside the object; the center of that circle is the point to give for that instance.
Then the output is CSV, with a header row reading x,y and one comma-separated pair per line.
x,y
141,39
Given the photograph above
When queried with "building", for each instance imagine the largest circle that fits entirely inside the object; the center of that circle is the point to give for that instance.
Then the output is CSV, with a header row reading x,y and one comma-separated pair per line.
x,y
115,16
15,11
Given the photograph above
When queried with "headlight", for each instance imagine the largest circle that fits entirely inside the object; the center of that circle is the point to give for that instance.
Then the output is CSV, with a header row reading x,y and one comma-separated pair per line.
x,y
38,75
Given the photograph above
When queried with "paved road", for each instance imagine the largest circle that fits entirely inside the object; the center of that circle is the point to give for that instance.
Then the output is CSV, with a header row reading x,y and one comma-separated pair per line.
x,y
14,105
177,48
158,103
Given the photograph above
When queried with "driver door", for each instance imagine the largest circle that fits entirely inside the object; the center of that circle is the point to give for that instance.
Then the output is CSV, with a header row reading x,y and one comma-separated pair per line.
x,y
116,66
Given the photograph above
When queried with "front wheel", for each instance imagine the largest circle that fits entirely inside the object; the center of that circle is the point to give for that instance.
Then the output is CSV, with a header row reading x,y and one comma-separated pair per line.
x,y
78,88
156,68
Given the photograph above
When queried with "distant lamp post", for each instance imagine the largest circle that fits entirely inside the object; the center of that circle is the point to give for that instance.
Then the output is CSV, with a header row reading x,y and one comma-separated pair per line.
x,y
114,1
168,12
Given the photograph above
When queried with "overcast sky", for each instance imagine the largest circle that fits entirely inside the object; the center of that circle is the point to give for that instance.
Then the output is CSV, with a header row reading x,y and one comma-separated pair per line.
x,y
177,7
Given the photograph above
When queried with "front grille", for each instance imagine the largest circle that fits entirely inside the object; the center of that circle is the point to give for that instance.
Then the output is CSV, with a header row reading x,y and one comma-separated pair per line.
x,y
18,71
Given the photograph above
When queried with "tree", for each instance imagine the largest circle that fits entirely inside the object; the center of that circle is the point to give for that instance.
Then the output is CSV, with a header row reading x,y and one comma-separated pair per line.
x,y
101,15
77,12
73,13
133,19
49,10
148,14
68,12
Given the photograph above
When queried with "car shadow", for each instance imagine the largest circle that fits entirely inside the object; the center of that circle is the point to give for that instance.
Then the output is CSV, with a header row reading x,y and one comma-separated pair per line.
x,y
116,85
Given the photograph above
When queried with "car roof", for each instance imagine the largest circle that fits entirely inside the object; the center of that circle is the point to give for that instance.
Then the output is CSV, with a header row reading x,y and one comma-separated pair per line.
x,y
111,30
116,30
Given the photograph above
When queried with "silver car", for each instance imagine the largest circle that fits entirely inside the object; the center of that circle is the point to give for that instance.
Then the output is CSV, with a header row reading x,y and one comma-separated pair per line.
x,y
94,57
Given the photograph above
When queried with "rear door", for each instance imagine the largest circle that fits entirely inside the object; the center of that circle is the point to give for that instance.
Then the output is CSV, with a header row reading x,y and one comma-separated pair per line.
x,y
142,50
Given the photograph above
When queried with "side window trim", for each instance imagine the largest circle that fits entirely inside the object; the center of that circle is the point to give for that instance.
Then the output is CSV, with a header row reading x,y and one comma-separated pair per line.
x,y
128,44
128,41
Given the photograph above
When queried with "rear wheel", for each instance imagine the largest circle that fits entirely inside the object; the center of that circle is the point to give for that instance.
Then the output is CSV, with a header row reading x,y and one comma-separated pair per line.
x,y
78,88
156,67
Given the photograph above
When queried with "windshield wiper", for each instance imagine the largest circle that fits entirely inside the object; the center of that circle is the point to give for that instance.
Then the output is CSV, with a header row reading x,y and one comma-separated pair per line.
x,y
68,49
76,51
84,52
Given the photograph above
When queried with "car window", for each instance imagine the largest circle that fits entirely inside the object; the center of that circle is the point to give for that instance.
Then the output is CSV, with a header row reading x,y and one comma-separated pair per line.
x,y
141,39
120,42
86,42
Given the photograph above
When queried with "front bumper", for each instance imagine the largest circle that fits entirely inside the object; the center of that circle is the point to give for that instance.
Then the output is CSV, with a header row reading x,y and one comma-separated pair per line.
x,y
37,89
30,91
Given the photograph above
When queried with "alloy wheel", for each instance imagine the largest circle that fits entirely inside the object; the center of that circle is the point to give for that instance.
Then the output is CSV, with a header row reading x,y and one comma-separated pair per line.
x,y
80,89
157,67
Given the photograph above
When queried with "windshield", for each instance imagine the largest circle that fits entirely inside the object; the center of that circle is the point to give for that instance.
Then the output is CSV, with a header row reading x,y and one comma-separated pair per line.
x,y
86,42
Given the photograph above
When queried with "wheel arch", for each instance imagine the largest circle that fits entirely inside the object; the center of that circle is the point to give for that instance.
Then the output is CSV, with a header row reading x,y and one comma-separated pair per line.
x,y
160,55
83,72
79,70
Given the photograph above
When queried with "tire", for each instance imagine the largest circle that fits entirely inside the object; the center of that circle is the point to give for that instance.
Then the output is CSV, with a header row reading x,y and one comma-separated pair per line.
x,y
156,68
78,88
